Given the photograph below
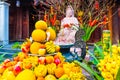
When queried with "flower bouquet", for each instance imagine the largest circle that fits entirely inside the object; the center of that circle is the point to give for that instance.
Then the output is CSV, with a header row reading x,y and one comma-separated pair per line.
x,y
93,16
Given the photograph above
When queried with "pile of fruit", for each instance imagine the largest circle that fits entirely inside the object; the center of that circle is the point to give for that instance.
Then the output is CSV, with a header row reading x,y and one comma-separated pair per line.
x,y
42,40
24,67
40,59
109,66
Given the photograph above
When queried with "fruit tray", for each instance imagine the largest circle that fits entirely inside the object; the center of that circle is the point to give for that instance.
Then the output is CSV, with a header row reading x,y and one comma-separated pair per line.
x,y
66,46
42,55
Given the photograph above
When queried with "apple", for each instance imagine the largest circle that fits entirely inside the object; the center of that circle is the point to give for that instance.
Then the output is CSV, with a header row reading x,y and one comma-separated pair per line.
x,y
6,61
17,69
57,61
42,60
42,52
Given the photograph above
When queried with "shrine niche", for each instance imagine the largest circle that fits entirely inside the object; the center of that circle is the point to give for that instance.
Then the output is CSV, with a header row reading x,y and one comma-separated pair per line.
x,y
37,12
82,12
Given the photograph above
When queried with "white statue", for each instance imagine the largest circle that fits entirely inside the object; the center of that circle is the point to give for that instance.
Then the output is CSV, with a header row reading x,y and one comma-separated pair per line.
x,y
69,26
70,19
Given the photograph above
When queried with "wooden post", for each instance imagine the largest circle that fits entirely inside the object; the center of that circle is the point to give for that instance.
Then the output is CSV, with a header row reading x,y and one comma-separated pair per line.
x,y
110,23
19,24
115,25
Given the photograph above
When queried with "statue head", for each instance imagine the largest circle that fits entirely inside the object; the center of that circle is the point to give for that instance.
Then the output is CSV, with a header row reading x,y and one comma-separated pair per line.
x,y
69,11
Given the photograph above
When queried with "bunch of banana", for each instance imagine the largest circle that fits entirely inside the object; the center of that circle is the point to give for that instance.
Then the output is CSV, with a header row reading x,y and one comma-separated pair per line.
x,y
50,47
51,68
30,60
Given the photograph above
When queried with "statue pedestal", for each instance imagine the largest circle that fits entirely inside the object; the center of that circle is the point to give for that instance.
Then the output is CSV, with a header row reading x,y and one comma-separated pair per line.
x,y
4,23
65,50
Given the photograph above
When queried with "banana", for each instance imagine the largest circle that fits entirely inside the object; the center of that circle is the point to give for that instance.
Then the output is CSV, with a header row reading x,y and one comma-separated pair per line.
x,y
51,50
50,47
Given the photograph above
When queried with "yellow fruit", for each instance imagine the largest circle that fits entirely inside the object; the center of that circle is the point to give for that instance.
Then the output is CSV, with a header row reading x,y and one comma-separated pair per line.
x,y
8,75
64,77
40,70
51,68
26,75
35,47
51,34
59,72
41,25
42,52
50,77
39,35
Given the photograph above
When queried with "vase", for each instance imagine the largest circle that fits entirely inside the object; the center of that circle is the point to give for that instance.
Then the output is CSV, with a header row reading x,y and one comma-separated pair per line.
x,y
106,39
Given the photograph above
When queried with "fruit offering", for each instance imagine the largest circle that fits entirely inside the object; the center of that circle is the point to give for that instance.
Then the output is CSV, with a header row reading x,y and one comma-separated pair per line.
x,y
40,59
42,40
25,67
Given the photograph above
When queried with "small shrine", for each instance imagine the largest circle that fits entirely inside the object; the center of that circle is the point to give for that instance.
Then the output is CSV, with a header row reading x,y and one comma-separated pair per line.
x,y
59,40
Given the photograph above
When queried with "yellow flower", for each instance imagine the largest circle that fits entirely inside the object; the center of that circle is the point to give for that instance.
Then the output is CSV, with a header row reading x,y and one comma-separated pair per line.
x,y
80,13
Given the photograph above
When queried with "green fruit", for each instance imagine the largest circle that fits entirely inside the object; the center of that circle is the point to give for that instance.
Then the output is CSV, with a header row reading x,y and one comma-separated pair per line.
x,y
64,77
50,77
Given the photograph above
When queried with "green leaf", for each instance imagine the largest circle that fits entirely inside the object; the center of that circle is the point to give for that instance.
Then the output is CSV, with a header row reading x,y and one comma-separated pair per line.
x,y
118,75
16,45
95,60
84,66
15,54
2,57
91,31
89,70
88,31
99,43
99,51
110,48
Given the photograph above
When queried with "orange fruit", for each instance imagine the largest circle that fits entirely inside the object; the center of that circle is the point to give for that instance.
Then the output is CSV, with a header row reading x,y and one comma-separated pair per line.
x,y
41,25
59,72
28,66
51,34
39,35
57,48
35,47
61,64
56,56
16,58
42,46
49,59
40,78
